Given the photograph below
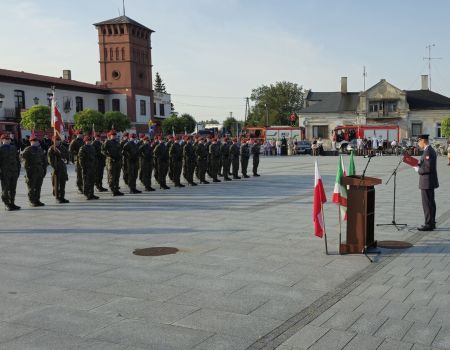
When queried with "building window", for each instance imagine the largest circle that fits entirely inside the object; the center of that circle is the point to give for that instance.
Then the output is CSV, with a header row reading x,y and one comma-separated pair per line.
x,y
116,105
117,54
374,107
19,102
416,129
154,108
143,107
161,110
123,54
49,99
320,131
105,54
101,105
392,107
78,104
122,30
438,130
111,54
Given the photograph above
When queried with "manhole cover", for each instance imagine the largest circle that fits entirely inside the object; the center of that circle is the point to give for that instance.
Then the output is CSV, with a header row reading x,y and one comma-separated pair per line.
x,y
394,244
155,251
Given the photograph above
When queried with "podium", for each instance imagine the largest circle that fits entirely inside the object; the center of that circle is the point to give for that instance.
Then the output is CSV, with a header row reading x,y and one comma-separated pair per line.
x,y
360,214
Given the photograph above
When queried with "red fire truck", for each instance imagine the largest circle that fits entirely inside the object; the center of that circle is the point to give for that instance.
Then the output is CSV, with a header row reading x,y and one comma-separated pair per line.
x,y
263,134
347,133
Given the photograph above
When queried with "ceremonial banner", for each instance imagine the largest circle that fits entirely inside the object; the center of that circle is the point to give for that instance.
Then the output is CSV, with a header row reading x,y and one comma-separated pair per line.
x,y
319,199
57,122
340,190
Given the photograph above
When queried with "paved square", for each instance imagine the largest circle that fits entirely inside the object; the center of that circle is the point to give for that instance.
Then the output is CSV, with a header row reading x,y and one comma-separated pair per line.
x,y
249,273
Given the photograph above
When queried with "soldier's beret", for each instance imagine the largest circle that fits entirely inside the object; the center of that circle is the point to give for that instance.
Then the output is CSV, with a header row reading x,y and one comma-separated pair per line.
x,y
78,132
125,134
87,138
33,138
145,138
5,137
133,136
423,137
56,138
141,136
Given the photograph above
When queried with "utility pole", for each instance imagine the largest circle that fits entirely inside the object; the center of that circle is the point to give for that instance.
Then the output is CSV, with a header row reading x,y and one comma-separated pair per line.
x,y
364,77
267,115
247,109
429,58
123,6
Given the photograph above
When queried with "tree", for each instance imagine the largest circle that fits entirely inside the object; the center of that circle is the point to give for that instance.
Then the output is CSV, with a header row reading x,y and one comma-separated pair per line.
x,y
178,124
445,127
87,119
37,117
210,121
159,85
117,121
231,125
188,123
274,103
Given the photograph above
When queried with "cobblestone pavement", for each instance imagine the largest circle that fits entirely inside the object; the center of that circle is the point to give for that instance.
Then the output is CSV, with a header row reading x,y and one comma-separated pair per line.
x,y
249,273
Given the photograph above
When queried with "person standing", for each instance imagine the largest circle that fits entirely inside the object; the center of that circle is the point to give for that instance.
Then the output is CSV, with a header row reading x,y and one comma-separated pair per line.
x,y
214,158
130,152
146,163
225,153
35,163
189,161
74,149
112,151
9,172
57,156
101,162
256,149
428,182
124,163
245,156
202,161
234,154
155,143
88,164
176,161
161,157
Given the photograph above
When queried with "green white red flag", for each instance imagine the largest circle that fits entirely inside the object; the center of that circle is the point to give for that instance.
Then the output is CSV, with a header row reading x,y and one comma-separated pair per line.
x,y
340,190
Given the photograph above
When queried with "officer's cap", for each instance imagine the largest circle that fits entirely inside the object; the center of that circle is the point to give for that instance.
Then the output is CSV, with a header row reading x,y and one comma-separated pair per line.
x,y
423,137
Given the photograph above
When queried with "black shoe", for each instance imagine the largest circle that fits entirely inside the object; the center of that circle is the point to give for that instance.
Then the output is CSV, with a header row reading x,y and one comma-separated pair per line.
x,y
14,207
256,175
117,193
227,179
8,207
32,204
236,177
149,189
135,191
216,180
193,183
165,187
179,185
425,228
102,189
245,176
204,182
40,204
63,201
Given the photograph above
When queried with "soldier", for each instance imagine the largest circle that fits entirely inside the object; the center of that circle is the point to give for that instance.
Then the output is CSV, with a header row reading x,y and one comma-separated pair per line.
x,y
169,144
146,163
176,160
101,162
245,156
161,157
112,151
155,161
124,163
130,153
202,161
214,156
225,154
88,164
36,168
234,155
256,149
208,158
74,149
57,154
220,171
428,182
188,161
194,147
9,172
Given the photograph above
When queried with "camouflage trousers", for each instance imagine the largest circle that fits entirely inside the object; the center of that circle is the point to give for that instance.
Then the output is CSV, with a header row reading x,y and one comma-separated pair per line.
x,y
59,185
244,166
9,185
113,168
34,183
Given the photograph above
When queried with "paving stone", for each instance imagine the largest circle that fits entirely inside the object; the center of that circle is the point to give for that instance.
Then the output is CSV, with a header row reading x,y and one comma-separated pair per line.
x,y
188,281
420,314
390,344
10,331
223,342
368,324
363,342
372,306
333,339
396,310
422,334
442,340
304,338
280,308
342,320
397,294
420,297
394,329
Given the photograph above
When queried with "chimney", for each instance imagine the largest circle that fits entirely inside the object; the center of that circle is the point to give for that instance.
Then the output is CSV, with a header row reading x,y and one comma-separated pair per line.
x,y
425,82
343,85
67,74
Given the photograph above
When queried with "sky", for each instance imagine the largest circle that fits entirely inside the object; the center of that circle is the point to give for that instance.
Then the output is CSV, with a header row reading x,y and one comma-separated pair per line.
x,y
212,53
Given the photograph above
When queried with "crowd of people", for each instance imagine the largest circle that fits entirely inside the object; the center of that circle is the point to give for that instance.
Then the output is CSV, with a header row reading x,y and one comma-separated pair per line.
x,y
279,147
135,158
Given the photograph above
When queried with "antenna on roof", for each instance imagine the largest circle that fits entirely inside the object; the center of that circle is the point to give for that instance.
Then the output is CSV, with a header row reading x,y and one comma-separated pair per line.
x,y
364,77
429,58
123,5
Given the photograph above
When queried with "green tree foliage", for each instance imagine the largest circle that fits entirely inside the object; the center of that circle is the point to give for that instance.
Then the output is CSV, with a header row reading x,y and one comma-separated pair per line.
x,y
277,101
117,121
37,117
159,85
209,121
445,127
89,118
232,126
178,124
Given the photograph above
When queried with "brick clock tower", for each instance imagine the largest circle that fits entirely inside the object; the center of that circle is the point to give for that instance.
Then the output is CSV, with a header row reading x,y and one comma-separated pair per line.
x,y
126,67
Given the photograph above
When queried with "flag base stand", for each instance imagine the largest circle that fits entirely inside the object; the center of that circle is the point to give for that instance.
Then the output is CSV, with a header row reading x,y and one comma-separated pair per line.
x,y
345,249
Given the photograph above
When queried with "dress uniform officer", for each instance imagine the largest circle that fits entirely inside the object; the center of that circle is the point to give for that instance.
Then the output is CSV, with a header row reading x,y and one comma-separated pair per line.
x,y
36,167
74,148
101,162
88,162
113,153
428,181
9,172
234,155
57,156
245,156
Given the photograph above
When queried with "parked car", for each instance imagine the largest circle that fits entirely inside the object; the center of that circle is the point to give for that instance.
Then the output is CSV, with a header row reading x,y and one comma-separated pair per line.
x,y
303,147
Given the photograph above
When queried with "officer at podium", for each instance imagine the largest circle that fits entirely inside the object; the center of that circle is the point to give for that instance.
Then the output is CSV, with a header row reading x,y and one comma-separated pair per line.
x,y
428,181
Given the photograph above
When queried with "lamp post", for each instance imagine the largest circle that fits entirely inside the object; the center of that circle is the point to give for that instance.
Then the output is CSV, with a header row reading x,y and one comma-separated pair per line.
x,y
267,115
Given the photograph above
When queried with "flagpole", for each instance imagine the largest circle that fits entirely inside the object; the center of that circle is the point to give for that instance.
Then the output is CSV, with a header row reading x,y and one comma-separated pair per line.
x,y
340,228
324,230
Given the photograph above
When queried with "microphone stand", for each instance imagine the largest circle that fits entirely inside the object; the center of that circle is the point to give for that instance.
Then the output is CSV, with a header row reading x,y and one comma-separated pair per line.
x,y
394,174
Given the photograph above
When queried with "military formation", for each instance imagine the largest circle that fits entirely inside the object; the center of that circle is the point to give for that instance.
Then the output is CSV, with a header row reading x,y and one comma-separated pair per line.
x,y
136,159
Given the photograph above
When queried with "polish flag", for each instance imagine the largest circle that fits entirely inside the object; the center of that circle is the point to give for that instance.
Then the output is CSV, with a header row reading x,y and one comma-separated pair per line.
x,y
319,199
57,121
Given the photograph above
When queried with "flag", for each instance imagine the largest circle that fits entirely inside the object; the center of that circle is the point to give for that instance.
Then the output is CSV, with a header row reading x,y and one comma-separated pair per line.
x,y
351,166
173,132
57,122
340,190
93,130
319,199
343,166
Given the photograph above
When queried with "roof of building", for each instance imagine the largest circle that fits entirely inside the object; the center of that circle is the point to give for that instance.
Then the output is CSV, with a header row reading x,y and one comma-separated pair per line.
x,y
122,20
43,80
426,99
331,102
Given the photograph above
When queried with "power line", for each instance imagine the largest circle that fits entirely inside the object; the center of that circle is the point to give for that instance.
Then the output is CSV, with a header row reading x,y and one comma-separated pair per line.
x,y
224,97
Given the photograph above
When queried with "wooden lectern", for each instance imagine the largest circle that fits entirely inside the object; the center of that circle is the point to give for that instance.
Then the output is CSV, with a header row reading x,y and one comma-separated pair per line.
x,y
360,214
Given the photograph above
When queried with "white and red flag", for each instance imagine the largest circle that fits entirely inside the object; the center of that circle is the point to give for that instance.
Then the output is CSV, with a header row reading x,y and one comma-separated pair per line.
x,y
57,121
319,199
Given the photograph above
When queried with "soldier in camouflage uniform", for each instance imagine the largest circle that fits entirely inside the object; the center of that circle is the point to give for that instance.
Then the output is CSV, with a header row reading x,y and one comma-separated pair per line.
x,y
88,163
176,159
57,156
256,149
202,161
194,147
131,155
169,144
234,156
36,167
208,158
161,157
214,156
101,162
146,163
189,161
245,156
74,148
113,153
9,172
123,142
225,154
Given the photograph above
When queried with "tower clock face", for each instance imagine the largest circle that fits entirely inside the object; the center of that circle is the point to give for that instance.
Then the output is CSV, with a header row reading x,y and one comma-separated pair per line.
x,y
115,74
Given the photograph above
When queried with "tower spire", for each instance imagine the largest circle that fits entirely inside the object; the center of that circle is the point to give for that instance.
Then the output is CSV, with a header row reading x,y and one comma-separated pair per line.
x,y
123,5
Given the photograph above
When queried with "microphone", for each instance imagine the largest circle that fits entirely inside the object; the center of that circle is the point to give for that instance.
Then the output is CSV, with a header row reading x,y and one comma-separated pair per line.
x,y
370,156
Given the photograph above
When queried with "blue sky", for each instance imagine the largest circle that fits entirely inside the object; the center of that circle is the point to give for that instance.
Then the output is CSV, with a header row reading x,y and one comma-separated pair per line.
x,y
212,53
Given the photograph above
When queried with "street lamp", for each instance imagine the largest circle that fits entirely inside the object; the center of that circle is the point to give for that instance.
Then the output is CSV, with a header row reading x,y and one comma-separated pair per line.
x,y
267,115
2,98
36,100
